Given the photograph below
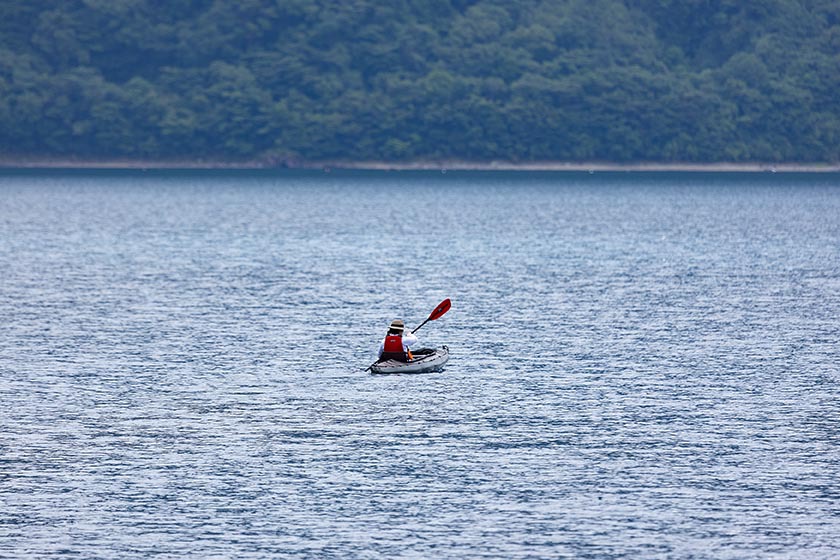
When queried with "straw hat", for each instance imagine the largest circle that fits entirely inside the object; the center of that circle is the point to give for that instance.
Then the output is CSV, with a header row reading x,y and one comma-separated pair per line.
x,y
397,325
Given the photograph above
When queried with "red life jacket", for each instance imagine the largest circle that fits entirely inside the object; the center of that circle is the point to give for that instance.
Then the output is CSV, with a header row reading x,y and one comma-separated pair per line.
x,y
393,344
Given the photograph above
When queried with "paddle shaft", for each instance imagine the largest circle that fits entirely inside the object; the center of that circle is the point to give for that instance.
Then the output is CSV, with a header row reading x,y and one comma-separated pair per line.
x,y
421,324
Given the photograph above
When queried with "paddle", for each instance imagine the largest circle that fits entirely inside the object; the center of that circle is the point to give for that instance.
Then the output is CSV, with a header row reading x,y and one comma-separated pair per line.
x,y
436,314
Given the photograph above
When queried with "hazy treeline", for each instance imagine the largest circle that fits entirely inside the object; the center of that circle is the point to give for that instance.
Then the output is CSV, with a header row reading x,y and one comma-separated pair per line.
x,y
619,80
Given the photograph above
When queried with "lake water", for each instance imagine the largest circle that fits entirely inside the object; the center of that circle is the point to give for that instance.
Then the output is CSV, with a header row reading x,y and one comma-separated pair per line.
x,y
643,366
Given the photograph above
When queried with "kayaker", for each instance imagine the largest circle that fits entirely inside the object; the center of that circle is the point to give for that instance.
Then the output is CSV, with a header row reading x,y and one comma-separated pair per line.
x,y
396,344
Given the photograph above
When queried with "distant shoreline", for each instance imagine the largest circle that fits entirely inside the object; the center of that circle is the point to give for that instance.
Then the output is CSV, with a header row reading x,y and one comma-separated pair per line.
x,y
442,165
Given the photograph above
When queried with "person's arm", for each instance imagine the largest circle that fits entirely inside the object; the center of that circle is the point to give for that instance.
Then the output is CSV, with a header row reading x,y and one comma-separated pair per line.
x,y
408,340
381,348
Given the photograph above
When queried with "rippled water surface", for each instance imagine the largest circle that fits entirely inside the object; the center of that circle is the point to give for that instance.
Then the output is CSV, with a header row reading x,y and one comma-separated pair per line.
x,y
643,366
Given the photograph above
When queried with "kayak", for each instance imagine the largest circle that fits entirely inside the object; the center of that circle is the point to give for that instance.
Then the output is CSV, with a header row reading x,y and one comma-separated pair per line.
x,y
425,360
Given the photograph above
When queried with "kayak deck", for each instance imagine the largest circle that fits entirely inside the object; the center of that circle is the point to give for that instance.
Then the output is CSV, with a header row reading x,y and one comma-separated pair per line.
x,y
425,360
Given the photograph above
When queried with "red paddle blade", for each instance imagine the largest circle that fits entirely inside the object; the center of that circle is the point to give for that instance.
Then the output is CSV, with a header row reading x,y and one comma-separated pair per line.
x,y
440,310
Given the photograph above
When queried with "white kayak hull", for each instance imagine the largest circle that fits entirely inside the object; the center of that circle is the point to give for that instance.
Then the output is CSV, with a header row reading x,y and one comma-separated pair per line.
x,y
425,360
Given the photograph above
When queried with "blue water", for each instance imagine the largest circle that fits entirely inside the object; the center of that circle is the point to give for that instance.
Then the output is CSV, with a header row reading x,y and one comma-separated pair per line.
x,y
643,366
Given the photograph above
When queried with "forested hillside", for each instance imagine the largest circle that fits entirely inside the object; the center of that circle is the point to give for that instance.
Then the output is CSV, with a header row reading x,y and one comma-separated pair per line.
x,y
525,80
